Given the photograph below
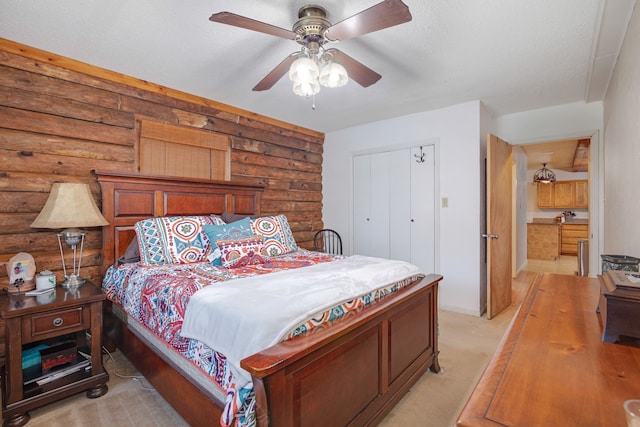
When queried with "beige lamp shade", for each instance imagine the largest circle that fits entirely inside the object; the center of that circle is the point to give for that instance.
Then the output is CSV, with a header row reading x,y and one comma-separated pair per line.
x,y
70,205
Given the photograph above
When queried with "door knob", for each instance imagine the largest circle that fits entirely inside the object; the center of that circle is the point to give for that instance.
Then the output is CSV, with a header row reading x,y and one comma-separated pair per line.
x,y
490,236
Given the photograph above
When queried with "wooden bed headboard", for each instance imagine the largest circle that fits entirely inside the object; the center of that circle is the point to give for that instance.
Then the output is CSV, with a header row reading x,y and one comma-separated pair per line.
x,y
128,198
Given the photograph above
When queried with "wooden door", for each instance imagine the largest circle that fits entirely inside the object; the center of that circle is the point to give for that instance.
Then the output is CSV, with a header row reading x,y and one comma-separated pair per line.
x,y
498,235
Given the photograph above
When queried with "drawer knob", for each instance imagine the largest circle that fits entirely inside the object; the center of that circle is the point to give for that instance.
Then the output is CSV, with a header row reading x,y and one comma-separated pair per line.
x,y
57,321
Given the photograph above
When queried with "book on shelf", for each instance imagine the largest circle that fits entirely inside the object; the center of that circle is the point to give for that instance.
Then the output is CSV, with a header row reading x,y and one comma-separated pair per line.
x,y
58,373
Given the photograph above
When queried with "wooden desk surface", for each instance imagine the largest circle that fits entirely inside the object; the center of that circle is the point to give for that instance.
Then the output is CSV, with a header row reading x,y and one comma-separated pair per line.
x,y
552,368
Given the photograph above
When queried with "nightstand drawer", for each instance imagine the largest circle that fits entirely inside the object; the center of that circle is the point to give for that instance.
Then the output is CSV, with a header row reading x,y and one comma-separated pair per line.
x,y
54,323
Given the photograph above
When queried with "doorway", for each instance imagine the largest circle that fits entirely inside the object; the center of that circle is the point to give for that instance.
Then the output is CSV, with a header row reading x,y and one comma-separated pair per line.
x,y
551,231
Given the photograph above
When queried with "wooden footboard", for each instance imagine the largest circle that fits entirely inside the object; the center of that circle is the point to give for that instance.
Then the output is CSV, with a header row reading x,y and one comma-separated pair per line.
x,y
354,371
349,373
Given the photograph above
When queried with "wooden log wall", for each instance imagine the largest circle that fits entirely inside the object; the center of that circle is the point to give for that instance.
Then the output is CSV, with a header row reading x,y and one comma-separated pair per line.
x,y
61,119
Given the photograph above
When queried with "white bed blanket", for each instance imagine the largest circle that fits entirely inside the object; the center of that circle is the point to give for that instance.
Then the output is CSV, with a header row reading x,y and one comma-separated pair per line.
x,y
242,317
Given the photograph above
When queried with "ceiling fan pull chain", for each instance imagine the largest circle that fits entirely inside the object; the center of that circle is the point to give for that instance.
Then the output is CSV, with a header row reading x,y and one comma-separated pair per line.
x,y
313,102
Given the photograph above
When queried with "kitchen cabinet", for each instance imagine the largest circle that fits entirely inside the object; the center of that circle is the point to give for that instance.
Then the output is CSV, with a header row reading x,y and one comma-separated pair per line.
x,y
582,194
563,194
545,195
570,235
543,241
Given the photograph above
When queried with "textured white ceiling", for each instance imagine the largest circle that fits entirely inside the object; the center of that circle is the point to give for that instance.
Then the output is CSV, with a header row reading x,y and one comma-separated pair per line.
x,y
513,55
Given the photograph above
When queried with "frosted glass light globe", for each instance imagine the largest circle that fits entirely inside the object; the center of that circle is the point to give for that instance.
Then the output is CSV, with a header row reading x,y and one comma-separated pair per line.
x,y
333,75
303,69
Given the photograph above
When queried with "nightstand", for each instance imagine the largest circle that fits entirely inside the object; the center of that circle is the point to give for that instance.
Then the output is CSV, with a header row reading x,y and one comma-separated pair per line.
x,y
619,308
60,315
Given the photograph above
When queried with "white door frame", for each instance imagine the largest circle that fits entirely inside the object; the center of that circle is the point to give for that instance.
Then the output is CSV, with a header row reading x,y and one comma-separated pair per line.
x,y
596,185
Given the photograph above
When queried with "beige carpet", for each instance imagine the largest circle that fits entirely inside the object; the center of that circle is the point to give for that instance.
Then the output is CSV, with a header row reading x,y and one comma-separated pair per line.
x,y
129,402
467,343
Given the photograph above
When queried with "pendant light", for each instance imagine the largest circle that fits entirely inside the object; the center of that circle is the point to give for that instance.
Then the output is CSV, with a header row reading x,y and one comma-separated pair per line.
x,y
544,175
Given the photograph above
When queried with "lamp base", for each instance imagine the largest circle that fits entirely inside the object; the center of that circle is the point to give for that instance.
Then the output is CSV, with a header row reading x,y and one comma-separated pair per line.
x,y
73,281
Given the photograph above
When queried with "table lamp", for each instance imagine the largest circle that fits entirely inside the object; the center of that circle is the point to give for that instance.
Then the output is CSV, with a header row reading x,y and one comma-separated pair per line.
x,y
70,206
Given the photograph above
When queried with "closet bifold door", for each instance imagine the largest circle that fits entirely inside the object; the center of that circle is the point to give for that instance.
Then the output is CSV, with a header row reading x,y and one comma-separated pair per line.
x,y
400,236
371,205
394,205
423,208
361,204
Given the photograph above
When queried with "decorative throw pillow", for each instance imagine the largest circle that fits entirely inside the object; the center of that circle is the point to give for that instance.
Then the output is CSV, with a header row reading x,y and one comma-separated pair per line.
x,y
278,238
228,218
234,231
238,253
217,219
173,240
132,254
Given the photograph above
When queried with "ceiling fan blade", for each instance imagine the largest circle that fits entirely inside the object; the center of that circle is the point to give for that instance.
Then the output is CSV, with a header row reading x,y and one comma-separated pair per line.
x,y
276,74
251,24
357,71
377,17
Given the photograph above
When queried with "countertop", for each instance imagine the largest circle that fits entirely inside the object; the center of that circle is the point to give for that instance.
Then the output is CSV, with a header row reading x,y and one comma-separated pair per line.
x,y
552,221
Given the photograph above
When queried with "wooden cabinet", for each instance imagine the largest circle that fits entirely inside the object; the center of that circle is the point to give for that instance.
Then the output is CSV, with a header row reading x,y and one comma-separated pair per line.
x,y
563,194
582,194
570,235
619,306
543,241
30,320
545,195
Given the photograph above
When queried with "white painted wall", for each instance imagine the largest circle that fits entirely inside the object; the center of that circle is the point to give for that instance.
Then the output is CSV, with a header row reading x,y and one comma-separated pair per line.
x,y
520,212
456,131
622,148
568,121
461,131
460,135
555,123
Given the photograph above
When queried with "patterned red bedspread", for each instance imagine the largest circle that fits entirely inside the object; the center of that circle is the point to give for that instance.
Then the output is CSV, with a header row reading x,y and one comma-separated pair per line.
x,y
157,297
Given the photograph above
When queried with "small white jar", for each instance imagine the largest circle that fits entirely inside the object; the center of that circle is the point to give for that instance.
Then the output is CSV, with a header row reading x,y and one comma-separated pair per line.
x,y
45,280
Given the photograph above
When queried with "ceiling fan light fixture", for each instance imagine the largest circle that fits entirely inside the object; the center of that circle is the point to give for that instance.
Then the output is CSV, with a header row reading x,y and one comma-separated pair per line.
x,y
313,31
306,88
333,75
303,69
544,175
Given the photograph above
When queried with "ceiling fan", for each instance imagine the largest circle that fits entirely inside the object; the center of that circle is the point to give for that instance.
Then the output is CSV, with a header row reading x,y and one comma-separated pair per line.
x,y
313,31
